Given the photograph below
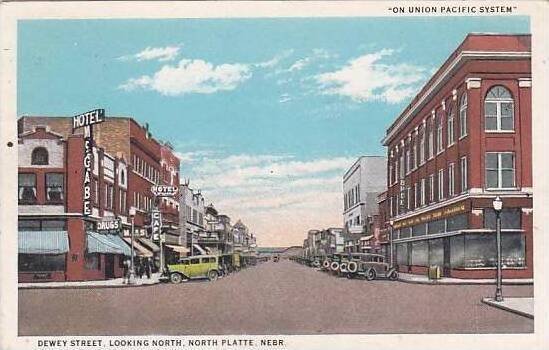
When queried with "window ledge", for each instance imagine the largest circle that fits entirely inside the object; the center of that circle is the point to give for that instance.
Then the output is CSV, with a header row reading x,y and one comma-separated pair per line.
x,y
440,152
462,137
452,144
495,189
499,131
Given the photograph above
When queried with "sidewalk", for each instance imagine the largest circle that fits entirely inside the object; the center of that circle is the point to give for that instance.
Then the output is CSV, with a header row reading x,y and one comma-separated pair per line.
x,y
113,283
410,278
523,306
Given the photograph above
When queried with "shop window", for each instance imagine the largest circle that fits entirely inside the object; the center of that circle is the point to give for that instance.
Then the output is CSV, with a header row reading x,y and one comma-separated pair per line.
x,y
419,230
54,187
41,262
420,253
498,110
27,188
500,170
405,232
510,218
29,225
480,250
402,254
92,261
53,225
437,226
436,252
39,156
396,234
458,222
457,251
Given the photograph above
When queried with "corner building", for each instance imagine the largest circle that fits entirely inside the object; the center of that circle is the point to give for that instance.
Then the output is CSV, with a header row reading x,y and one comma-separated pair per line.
x,y
464,140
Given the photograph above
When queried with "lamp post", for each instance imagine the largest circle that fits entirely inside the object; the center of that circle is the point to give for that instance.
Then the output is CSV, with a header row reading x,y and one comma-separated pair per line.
x,y
131,277
391,247
498,205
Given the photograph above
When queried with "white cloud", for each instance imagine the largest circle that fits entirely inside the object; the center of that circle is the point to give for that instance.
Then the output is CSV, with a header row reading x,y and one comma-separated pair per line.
x,y
191,76
278,196
366,78
276,59
304,62
161,54
284,98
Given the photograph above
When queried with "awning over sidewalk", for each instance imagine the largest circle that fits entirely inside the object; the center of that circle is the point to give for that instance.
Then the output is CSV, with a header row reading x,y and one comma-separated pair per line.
x,y
149,244
43,242
179,249
141,251
366,238
106,244
200,249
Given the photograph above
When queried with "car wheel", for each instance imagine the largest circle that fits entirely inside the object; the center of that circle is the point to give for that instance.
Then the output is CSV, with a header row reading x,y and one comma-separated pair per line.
x,y
371,274
393,276
212,275
176,278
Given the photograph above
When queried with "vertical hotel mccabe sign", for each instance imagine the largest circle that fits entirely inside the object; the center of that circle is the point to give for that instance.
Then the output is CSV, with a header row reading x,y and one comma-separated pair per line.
x,y
86,121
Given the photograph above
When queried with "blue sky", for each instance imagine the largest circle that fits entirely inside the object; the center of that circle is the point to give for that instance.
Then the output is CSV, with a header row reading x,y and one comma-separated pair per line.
x,y
266,114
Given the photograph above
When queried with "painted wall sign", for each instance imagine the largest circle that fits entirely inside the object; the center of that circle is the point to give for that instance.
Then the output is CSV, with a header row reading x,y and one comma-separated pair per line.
x,y
433,215
86,121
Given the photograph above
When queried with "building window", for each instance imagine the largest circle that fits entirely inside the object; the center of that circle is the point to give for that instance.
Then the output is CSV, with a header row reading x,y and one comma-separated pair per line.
x,y
54,187
422,147
414,152
391,173
500,170
432,188
463,173
41,262
451,179
431,141
423,192
27,188
92,261
401,167
463,116
440,140
450,130
441,184
408,160
420,253
498,110
510,218
477,250
122,204
39,156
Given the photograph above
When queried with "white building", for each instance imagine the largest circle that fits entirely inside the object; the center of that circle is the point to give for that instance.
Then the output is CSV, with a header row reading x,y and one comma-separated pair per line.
x,y
364,180
191,217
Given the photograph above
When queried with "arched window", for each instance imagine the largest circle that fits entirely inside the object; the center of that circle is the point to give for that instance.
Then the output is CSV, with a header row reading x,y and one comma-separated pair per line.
x,y
463,115
450,128
39,156
498,110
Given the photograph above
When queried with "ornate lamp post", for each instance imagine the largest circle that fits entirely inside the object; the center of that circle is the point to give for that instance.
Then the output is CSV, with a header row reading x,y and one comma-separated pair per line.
x,y
498,205
391,246
131,278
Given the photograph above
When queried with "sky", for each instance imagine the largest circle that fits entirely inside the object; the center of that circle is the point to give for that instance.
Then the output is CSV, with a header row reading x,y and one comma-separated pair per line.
x,y
265,114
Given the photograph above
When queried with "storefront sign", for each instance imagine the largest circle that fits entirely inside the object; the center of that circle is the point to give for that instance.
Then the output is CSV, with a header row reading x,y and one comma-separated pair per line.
x,y
163,191
156,224
86,120
109,226
433,215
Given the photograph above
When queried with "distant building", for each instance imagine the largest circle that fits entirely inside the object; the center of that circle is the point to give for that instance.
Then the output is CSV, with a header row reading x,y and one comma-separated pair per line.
x,y
362,183
191,217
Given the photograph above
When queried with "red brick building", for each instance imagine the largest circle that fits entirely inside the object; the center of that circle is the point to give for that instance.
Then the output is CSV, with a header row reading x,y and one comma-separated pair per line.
x,y
463,140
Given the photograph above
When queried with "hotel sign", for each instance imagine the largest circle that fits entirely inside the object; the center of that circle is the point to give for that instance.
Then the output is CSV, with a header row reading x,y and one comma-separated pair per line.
x,y
163,191
86,121
433,215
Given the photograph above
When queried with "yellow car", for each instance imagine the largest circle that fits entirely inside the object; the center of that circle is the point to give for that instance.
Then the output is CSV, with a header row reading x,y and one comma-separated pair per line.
x,y
202,266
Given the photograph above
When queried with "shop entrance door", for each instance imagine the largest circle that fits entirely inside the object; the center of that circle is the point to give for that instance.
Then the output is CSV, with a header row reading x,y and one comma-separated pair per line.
x,y
446,265
109,266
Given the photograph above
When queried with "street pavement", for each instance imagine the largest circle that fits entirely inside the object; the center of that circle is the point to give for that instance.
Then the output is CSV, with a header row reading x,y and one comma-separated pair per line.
x,y
271,298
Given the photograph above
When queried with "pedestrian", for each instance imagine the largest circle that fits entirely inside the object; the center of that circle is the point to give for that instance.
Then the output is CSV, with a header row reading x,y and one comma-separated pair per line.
x,y
126,271
140,268
148,267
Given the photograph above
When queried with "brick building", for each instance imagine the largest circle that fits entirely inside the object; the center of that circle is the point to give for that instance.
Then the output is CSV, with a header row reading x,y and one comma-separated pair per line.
x,y
463,140
55,242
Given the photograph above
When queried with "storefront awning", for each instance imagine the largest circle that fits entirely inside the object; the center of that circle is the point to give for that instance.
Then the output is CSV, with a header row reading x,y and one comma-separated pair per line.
x,y
200,249
178,248
43,242
106,244
366,238
141,251
149,244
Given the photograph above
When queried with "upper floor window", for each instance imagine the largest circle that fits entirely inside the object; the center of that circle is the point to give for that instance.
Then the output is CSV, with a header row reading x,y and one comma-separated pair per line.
x,y
54,187
463,116
463,173
440,140
441,184
498,110
450,130
27,188
431,140
500,170
39,156
451,179
422,146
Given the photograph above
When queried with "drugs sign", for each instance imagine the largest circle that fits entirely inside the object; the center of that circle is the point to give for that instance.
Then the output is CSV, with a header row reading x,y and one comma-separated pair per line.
x,y
108,226
156,224
163,191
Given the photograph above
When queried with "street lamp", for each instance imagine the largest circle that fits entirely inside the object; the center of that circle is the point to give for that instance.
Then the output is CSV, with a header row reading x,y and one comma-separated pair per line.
x,y
498,205
131,278
391,248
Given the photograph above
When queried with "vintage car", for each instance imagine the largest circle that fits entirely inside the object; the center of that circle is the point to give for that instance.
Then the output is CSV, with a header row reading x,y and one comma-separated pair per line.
x,y
229,263
335,263
202,266
370,266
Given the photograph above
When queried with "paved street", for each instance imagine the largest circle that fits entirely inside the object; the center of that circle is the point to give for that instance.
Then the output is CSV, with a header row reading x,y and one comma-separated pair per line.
x,y
272,298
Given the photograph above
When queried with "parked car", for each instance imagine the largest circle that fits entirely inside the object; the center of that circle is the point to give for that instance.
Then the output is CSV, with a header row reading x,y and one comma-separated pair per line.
x,y
203,266
336,262
370,266
276,258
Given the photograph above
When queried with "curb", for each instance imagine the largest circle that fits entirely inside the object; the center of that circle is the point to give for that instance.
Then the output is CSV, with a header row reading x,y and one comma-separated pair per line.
x,y
90,286
436,283
505,308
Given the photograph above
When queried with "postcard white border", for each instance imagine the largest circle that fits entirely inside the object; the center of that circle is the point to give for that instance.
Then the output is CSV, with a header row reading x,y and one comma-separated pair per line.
x,y
11,12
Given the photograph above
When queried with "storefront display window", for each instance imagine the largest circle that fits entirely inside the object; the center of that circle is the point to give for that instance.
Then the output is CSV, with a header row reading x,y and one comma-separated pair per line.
x,y
402,254
480,250
437,226
419,230
41,262
457,251
420,253
405,232
510,218
455,223
436,252
92,261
